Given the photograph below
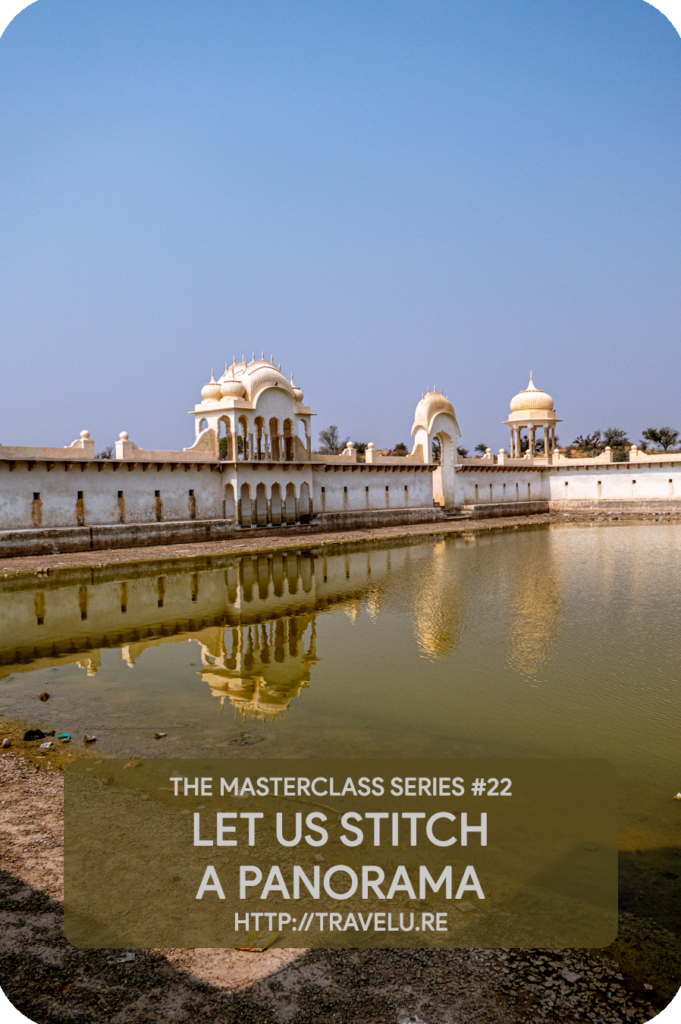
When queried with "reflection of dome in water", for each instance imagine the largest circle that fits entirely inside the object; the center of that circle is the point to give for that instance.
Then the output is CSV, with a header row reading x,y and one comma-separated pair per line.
x,y
268,664
436,611
536,607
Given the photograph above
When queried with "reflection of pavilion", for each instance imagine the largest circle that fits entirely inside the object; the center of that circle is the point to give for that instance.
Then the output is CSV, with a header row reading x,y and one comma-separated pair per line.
x,y
261,667
536,607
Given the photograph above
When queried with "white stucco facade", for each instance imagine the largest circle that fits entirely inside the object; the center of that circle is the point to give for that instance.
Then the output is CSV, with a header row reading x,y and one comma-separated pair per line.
x,y
251,465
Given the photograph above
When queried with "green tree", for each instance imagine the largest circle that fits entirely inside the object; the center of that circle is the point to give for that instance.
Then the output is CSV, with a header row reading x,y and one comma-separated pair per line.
x,y
463,452
482,448
665,437
331,443
614,438
588,444
400,449
361,446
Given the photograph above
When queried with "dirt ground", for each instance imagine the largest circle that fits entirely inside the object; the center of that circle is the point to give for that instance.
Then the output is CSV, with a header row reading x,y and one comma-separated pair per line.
x,y
51,981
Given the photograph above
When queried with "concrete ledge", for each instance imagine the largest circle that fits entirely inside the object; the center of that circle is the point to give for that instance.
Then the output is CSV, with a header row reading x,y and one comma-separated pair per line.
x,y
103,538
370,518
507,508
63,540
655,505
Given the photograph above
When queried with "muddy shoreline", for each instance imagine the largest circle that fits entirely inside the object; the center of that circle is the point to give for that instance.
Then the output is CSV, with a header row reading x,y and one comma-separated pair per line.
x,y
49,980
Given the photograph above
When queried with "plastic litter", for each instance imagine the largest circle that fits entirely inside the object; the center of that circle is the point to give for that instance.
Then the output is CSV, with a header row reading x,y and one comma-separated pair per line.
x,y
64,737
126,958
6,743
159,735
89,739
37,734
258,942
319,859
678,796
131,764
44,696
44,746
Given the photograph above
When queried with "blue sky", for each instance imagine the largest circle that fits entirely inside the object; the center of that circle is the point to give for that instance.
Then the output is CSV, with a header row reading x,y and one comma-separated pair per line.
x,y
385,195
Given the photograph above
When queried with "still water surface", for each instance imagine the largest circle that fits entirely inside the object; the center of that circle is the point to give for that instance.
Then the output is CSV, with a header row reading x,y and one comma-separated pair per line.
x,y
558,641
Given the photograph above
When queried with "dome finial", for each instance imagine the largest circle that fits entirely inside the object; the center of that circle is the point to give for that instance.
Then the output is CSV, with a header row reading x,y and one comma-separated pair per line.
x,y
531,386
212,376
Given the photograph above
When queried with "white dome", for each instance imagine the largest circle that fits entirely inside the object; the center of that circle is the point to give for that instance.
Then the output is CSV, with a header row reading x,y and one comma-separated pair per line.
x,y
532,399
211,392
232,389
254,377
297,393
433,403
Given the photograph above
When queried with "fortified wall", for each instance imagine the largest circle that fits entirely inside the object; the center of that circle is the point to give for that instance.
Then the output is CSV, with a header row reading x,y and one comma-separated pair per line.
x,y
251,466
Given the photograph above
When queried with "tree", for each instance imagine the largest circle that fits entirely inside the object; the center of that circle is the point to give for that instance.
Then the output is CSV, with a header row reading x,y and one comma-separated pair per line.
x,y
482,448
614,438
106,453
589,444
463,452
436,449
331,443
222,446
361,446
665,437
400,449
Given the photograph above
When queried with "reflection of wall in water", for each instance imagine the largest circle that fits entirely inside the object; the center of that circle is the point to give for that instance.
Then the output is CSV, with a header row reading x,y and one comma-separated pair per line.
x,y
536,588
50,623
260,668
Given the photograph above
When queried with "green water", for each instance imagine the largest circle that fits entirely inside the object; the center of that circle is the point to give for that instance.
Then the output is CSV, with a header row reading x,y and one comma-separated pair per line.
x,y
558,641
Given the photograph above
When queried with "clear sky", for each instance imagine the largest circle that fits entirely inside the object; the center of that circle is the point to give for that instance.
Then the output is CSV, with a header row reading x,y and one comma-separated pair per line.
x,y
385,194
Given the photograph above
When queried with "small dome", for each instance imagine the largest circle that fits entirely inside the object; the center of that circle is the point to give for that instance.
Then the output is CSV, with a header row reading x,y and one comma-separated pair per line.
x,y
254,377
297,393
532,399
211,392
232,389
431,404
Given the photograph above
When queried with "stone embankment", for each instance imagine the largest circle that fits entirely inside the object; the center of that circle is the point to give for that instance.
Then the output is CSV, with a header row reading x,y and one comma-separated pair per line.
x,y
296,538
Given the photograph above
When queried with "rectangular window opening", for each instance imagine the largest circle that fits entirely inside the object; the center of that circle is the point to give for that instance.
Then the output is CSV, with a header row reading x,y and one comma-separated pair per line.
x,y
191,494
36,495
80,495
120,494
157,494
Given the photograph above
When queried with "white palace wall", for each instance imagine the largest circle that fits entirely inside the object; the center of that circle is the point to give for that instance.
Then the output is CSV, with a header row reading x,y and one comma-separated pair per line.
x,y
570,486
66,499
